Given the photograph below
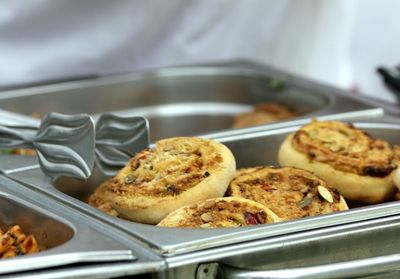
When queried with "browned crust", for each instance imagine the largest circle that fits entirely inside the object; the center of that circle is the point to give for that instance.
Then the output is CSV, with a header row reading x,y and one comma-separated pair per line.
x,y
174,166
102,198
225,212
396,152
396,176
179,171
362,188
262,114
345,148
289,192
397,196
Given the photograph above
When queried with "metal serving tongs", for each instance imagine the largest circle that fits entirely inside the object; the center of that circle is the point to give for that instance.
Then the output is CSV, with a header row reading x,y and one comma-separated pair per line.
x,y
69,145
118,139
64,143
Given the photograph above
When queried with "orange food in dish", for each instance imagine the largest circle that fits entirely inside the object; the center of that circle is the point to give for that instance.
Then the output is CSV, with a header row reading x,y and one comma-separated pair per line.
x,y
15,243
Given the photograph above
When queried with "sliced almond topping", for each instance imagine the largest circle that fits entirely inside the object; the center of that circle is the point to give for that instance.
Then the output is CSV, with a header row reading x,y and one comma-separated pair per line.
x,y
206,217
206,225
324,193
193,206
130,178
304,202
335,148
208,204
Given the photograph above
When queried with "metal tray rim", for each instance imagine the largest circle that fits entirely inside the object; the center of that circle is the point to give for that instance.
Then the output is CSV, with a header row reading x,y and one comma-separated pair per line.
x,y
218,237
85,230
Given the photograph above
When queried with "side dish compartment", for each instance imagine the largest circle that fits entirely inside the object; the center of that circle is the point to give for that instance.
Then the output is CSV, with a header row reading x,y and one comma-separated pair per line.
x,y
66,238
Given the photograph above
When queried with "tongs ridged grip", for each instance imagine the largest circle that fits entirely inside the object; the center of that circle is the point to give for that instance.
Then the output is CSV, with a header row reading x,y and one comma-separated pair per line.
x,y
118,139
64,144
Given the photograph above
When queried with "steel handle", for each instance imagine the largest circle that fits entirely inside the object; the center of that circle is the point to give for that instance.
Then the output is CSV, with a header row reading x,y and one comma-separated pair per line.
x,y
32,263
8,118
65,144
14,138
355,268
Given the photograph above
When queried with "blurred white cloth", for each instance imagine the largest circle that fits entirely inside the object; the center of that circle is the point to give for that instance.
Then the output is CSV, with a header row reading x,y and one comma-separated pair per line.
x,y
339,42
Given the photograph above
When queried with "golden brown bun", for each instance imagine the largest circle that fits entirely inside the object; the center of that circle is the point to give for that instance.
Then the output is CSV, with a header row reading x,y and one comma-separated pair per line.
x,y
263,114
397,196
177,172
102,199
289,192
360,167
396,176
396,151
229,212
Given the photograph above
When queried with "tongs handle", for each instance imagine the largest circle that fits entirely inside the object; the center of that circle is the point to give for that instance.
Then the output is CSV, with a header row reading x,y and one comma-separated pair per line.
x,y
67,144
14,137
64,144
118,138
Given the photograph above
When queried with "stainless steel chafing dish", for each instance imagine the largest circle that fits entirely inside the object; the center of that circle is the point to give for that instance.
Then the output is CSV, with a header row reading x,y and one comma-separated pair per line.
x,y
309,248
185,251
66,238
185,100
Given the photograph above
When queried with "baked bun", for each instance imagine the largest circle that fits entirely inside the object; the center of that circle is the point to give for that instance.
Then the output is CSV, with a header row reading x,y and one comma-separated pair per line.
x,y
177,172
396,176
289,192
229,212
102,199
347,158
262,114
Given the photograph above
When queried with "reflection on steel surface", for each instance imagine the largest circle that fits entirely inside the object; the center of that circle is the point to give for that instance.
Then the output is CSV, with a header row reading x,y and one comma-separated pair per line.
x,y
118,139
64,144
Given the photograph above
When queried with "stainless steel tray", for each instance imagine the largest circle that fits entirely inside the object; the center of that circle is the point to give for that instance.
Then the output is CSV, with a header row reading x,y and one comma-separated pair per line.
x,y
184,100
263,151
67,237
367,249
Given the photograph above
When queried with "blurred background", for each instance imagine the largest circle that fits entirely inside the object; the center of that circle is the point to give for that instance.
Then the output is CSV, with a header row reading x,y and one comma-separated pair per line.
x,y
338,42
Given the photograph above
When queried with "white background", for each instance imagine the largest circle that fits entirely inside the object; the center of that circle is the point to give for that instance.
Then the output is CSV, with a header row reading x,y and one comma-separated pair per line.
x,y
339,42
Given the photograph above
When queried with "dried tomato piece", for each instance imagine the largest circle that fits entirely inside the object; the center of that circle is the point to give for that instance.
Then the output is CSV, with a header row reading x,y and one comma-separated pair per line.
x,y
268,188
250,218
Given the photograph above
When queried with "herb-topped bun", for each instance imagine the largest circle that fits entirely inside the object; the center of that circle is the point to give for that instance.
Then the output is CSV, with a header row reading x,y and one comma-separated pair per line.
x,y
360,167
263,114
289,192
227,212
102,199
177,172
396,176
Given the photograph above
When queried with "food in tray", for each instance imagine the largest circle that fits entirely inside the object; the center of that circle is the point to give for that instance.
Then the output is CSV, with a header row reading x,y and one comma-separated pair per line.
x,y
177,172
18,151
289,192
180,174
15,243
228,212
396,176
102,199
350,160
263,114
22,151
